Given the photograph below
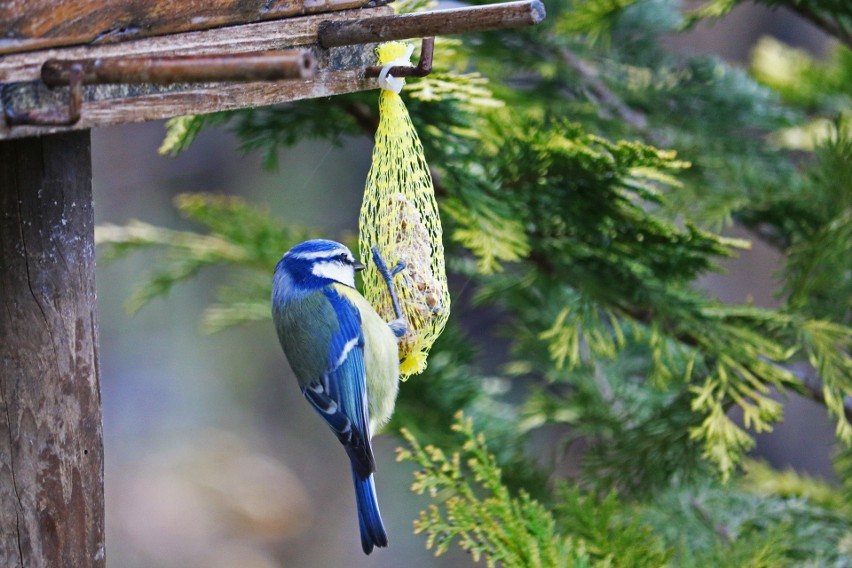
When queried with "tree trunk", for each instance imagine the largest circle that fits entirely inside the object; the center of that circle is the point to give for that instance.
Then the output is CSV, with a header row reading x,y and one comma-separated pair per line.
x,y
51,446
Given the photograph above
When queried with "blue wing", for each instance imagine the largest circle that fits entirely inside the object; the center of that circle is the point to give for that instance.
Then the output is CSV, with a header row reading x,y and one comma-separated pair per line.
x,y
334,382
340,394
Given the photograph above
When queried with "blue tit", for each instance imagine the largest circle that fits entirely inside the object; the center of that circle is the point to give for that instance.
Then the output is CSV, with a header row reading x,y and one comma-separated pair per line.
x,y
344,355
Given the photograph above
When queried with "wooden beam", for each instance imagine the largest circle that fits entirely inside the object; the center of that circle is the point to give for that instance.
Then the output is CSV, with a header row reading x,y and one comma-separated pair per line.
x,y
38,24
51,448
261,36
338,70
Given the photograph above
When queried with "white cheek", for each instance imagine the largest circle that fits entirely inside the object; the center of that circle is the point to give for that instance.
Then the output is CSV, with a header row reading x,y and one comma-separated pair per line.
x,y
335,271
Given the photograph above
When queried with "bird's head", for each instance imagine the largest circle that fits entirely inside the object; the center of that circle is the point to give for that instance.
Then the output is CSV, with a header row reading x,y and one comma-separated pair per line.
x,y
318,262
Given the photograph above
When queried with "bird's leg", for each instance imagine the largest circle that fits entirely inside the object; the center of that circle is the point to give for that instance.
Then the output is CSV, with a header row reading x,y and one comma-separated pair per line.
x,y
400,325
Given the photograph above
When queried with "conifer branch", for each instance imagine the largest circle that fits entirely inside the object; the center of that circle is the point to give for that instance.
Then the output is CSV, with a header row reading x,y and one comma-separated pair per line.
x,y
813,389
608,98
721,530
811,385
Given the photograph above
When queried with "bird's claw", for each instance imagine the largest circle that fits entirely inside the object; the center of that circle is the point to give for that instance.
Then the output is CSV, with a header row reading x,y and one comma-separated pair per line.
x,y
400,266
400,325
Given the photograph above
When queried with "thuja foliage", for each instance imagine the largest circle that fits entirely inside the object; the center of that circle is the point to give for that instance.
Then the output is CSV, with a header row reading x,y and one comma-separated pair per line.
x,y
584,174
782,519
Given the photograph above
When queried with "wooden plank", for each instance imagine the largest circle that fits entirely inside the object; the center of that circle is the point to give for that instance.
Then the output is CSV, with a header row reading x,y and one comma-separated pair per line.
x,y
338,70
27,25
51,447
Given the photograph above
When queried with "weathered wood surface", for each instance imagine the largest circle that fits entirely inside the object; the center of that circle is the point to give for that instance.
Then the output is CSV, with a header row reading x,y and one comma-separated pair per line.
x,y
51,449
261,36
338,70
27,25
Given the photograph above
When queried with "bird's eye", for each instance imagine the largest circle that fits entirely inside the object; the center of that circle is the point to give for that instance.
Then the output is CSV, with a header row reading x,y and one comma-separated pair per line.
x,y
343,258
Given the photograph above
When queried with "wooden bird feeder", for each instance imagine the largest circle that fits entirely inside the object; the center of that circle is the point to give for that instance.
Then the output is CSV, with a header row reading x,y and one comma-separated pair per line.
x,y
67,66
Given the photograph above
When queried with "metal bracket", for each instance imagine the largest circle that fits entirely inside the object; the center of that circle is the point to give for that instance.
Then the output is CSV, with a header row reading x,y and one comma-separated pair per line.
x,y
424,24
440,22
423,67
49,117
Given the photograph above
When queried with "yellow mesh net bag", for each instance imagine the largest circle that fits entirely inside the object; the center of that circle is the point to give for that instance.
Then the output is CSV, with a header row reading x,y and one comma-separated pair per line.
x,y
399,215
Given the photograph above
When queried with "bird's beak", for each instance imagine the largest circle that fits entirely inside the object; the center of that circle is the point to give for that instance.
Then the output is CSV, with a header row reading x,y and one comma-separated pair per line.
x,y
358,266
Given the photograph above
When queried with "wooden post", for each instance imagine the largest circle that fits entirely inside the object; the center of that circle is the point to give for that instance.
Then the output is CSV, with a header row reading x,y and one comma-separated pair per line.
x,y
51,446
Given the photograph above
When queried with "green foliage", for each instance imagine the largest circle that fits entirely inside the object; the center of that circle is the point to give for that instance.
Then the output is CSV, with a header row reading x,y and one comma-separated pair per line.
x,y
843,466
241,237
637,435
801,79
594,18
828,347
687,525
182,131
821,243
512,531
265,129
761,478
721,526
477,510
610,537
492,238
576,223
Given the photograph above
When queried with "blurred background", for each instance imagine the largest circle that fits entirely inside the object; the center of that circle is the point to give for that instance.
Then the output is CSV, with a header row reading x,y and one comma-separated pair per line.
x,y
213,459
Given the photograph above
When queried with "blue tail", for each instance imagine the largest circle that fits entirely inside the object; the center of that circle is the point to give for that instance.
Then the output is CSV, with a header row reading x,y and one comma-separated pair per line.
x,y
369,518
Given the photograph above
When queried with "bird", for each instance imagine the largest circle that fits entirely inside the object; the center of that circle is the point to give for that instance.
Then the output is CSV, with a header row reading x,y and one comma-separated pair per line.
x,y
344,355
